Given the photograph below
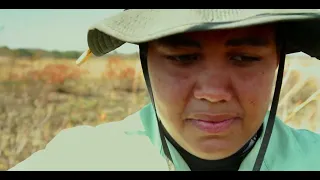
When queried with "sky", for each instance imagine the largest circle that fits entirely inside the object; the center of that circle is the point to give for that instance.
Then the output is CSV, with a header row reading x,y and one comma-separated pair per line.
x,y
52,29
58,29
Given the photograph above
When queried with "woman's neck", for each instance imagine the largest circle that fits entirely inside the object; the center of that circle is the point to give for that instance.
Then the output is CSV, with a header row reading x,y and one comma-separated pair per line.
x,y
231,163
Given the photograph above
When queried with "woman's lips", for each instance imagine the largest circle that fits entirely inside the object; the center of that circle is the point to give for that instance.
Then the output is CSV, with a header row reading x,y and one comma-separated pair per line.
x,y
212,127
213,124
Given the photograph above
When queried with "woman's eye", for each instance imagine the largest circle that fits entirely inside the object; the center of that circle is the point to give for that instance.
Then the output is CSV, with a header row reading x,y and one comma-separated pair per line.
x,y
184,59
245,58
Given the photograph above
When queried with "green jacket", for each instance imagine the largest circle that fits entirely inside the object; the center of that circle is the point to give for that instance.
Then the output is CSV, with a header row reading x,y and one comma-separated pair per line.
x,y
134,144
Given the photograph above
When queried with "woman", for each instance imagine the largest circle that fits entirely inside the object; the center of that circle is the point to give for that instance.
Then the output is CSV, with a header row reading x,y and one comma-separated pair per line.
x,y
210,76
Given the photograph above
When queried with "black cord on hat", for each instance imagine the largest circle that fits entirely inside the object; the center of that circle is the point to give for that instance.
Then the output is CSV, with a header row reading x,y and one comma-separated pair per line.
x,y
143,58
280,40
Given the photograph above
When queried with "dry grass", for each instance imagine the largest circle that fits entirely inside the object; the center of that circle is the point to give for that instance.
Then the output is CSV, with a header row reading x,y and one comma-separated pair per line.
x,y
41,97
299,102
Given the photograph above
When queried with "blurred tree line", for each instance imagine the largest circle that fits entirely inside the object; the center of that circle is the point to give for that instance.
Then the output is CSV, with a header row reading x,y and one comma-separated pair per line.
x,y
39,53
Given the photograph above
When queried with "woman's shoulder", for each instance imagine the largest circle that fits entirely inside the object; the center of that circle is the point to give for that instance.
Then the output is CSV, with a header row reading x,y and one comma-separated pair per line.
x,y
121,145
294,149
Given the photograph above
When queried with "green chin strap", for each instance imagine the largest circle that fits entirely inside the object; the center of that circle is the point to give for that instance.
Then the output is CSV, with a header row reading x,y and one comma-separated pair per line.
x,y
271,119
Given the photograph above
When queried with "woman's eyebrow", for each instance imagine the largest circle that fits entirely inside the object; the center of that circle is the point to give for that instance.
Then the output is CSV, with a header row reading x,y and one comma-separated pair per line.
x,y
184,42
179,42
248,41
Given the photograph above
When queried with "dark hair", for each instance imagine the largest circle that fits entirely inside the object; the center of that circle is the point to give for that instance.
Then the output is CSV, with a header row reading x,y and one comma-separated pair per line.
x,y
280,40
143,51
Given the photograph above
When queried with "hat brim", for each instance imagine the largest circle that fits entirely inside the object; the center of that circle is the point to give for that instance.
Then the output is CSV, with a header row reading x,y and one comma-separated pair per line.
x,y
302,30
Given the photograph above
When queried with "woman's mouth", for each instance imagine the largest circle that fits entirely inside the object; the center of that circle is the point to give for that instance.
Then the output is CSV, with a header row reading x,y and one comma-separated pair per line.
x,y
213,124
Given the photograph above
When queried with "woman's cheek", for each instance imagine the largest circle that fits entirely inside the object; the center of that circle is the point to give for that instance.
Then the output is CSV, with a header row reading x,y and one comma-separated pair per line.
x,y
254,91
173,89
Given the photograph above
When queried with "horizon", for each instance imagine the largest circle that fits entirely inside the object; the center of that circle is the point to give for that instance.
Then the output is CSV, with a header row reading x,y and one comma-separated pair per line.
x,y
40,28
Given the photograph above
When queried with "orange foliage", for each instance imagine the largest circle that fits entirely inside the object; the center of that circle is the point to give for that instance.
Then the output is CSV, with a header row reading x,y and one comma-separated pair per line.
x,y
55,73
117,69
127,73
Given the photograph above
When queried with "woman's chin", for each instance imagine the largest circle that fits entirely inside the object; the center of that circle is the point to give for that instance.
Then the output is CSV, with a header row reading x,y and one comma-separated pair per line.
x,y
214,149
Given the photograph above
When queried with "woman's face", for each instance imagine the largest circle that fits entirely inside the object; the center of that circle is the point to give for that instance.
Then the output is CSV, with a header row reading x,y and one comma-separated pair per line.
x,y
212,88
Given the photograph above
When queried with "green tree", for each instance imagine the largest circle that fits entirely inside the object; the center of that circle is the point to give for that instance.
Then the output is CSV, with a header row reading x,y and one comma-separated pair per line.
x,y
23,53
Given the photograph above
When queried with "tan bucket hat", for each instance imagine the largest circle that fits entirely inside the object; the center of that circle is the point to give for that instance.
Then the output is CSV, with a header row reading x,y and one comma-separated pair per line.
x,y
142,25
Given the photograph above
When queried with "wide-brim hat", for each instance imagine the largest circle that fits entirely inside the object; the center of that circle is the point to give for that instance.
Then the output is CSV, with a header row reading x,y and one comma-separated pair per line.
x,y
302,30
